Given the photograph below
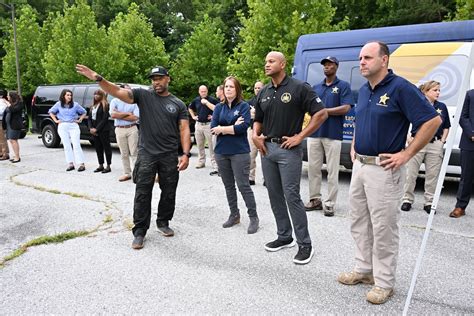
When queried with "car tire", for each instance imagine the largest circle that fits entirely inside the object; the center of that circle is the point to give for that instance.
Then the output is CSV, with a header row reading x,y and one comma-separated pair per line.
x,y
50,136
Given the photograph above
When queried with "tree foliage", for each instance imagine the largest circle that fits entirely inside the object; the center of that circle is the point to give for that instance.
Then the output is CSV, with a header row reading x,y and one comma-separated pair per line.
x,y
276,25
464,11
76,39
134,34
29,50
201,60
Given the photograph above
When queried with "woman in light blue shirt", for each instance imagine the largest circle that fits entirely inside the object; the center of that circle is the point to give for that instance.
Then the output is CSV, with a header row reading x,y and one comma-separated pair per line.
x,y
68,114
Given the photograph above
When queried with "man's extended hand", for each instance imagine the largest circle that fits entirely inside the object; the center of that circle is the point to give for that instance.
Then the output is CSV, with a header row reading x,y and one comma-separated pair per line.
x,y
290,142
394,161
86,71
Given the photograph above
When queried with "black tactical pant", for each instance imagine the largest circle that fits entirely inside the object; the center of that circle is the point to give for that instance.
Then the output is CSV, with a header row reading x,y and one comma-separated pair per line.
x,y
144,173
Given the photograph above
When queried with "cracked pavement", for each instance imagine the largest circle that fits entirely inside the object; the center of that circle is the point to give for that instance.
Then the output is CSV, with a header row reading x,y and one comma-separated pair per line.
x,y
204,269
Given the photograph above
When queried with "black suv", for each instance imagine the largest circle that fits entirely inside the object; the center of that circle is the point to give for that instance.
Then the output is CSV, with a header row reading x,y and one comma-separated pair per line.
x,y
47,95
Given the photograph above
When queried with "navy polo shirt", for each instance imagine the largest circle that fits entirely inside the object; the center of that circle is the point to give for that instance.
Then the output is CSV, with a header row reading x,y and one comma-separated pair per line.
x,y
383,115
281,109
333,95
201,110
226,116
442,110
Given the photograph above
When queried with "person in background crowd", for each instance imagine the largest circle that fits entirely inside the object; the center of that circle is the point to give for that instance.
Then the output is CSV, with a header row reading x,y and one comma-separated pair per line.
x,y
201,109
277,133
327,140
13,123
431,154
230,122
5,153
100,129
125,117
253,149
220,93
467,156
164,125
68,115
386,106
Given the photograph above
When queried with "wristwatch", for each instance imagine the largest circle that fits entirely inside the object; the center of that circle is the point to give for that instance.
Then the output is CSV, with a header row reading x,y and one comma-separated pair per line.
x,y
187,154
98,78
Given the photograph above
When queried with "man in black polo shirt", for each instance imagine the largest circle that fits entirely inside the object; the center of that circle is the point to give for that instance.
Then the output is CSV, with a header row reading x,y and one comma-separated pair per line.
x,y
201,109
163,125
279,114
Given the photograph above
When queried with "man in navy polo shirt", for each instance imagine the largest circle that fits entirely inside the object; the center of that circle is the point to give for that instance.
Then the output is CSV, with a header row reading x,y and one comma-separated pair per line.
x,y
327,140
386,106
201,109
279,114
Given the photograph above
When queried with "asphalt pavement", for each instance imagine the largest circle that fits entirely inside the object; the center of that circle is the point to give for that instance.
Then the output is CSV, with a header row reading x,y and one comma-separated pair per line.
x,y
204,268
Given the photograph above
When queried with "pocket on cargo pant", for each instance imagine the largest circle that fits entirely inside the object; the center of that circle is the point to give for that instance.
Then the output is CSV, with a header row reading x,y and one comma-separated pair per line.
x,y
135,171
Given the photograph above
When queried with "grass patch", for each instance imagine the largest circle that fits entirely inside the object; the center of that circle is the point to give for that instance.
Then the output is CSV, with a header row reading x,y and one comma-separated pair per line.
x,y
43,240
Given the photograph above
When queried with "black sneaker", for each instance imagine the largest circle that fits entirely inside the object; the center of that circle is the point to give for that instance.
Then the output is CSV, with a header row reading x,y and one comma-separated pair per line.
x,y
164,229
427,209
304,255
214,173
406,207
252,182
138,242
279,244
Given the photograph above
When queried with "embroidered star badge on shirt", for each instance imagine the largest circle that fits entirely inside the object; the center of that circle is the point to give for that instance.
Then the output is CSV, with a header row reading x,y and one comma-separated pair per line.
x,y
236,112
383,99
335,90
439,111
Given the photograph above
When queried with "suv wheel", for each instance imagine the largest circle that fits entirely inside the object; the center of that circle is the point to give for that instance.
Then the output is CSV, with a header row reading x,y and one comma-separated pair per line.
x,y
50,136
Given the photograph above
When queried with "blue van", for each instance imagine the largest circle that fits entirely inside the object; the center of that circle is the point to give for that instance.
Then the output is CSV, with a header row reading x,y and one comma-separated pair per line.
x,y
419,53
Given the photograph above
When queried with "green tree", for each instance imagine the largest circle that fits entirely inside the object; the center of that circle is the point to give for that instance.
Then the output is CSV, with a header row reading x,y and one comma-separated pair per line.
x,y
201,60
75,38
464,11
276,25
29,50
134,34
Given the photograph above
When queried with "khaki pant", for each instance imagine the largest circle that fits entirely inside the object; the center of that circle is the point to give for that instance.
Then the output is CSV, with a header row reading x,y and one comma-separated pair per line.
x,y
432,156
202,133
317,149
253,155
3,141
374,198
127,140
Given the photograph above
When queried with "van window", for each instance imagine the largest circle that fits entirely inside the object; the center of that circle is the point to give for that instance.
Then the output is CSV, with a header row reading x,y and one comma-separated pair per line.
x,y
79,94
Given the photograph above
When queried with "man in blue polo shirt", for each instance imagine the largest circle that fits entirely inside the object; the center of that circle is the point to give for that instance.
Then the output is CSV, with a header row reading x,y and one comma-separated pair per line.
x,y
201,109
386,106
326,141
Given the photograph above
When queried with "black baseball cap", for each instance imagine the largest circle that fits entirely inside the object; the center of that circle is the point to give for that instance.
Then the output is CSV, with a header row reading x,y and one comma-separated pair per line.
x,y
330,59
158,71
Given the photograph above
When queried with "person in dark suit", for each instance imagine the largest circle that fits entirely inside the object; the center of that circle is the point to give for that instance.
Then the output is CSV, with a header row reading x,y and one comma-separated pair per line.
x,y
467,156
13,123
99,127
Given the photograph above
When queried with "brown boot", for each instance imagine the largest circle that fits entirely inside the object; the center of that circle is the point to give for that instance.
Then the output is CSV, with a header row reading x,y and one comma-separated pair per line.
x,y
457,212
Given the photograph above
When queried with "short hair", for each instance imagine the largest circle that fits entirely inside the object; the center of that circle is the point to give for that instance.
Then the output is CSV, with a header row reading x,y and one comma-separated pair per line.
x,y
62,98
427,86
220,87
238,89
383,48
3,94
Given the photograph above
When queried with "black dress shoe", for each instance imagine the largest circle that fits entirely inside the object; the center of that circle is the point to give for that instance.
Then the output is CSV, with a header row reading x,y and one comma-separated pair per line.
x,y
5,157
406,207
70,168
106,170
15,161
99,169
81,168
252,182
427,209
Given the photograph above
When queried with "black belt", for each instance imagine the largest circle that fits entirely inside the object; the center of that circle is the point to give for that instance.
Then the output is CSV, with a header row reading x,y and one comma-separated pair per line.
x,y
275,140
435,139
